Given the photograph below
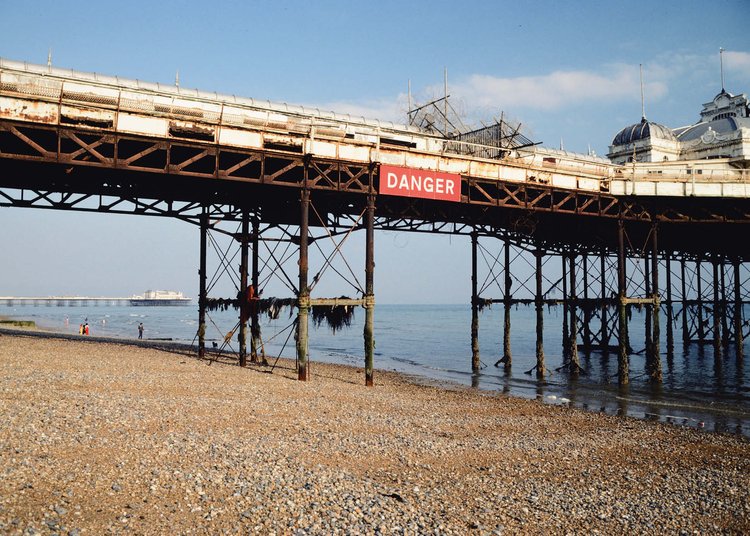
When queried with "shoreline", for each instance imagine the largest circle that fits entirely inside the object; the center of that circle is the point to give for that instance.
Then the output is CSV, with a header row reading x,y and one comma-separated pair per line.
x,y
690,411
128,438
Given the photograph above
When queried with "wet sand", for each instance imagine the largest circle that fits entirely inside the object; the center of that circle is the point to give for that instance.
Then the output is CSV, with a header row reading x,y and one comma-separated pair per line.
x,y
101,437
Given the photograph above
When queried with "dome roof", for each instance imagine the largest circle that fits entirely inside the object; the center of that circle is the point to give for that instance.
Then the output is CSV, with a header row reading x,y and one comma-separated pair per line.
x,y
724,125
641,131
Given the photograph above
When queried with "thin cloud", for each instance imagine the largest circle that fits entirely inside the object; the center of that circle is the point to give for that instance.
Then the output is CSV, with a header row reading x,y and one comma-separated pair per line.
x,y
481,94
382,109
555,90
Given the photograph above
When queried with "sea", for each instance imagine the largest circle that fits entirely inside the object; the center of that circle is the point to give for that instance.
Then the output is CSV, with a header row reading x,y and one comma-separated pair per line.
x,y
433,343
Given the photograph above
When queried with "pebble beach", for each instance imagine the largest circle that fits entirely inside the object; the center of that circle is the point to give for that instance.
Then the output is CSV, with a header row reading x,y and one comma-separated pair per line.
x,y
105,438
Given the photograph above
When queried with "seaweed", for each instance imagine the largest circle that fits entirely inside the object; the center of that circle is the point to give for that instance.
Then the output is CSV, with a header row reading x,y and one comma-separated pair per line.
x,y
337,316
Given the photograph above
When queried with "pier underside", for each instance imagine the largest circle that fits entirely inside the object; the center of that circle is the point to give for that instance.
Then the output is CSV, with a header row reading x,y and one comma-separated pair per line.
x,y
683,259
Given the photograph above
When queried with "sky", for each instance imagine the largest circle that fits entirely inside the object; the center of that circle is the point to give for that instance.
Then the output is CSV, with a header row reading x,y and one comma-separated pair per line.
x,y
567,71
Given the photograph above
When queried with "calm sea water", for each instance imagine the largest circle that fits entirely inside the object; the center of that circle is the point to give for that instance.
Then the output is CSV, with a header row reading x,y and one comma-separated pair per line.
x,y
433,341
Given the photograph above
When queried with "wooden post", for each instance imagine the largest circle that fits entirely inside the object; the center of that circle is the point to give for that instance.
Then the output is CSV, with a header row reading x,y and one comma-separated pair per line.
x,y
242,337
539,303
369,289
202,298
474,306
623,365
303,301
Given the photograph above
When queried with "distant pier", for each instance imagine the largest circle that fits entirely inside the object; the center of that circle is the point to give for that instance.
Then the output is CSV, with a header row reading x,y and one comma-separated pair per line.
x,y
62,301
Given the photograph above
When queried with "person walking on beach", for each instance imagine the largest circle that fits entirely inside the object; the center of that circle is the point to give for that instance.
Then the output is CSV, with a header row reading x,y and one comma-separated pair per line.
x,y
86,329
80,329
140,330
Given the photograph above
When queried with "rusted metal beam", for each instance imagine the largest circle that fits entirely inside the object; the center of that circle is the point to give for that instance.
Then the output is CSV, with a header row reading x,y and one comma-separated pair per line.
x,y
337,302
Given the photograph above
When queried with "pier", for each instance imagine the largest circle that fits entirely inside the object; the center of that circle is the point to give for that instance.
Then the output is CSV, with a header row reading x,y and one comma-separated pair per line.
x,y
277,180
62,301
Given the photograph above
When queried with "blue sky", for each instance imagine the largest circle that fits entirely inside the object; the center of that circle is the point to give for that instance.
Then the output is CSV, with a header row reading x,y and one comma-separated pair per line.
x,y
567,70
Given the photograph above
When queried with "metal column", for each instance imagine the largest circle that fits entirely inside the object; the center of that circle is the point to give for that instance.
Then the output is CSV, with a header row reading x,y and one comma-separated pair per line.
x,y
202,298
701,330
683,287
575,364
738,336
244,305
670,311
474,306
303,300
566,308
539,303
507,354
717,309
255,342
586,307
623,372
369,289
604,315
655,369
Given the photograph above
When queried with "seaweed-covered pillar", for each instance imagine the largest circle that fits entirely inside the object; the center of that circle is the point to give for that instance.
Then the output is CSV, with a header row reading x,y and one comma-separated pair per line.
x,y
623,366
738,337
254,316
369,289
303,300
539,303
202,298
507,296
655,369
474,306
243,294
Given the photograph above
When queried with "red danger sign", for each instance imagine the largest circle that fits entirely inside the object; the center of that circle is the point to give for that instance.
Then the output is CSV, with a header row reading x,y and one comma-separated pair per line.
x,y
424,183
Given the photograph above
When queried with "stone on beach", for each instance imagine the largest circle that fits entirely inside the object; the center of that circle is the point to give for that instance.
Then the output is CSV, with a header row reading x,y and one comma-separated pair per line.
x,y
107,438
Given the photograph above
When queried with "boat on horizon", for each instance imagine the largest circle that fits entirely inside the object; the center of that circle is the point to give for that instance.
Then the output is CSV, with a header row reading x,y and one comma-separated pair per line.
x,y
160,297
